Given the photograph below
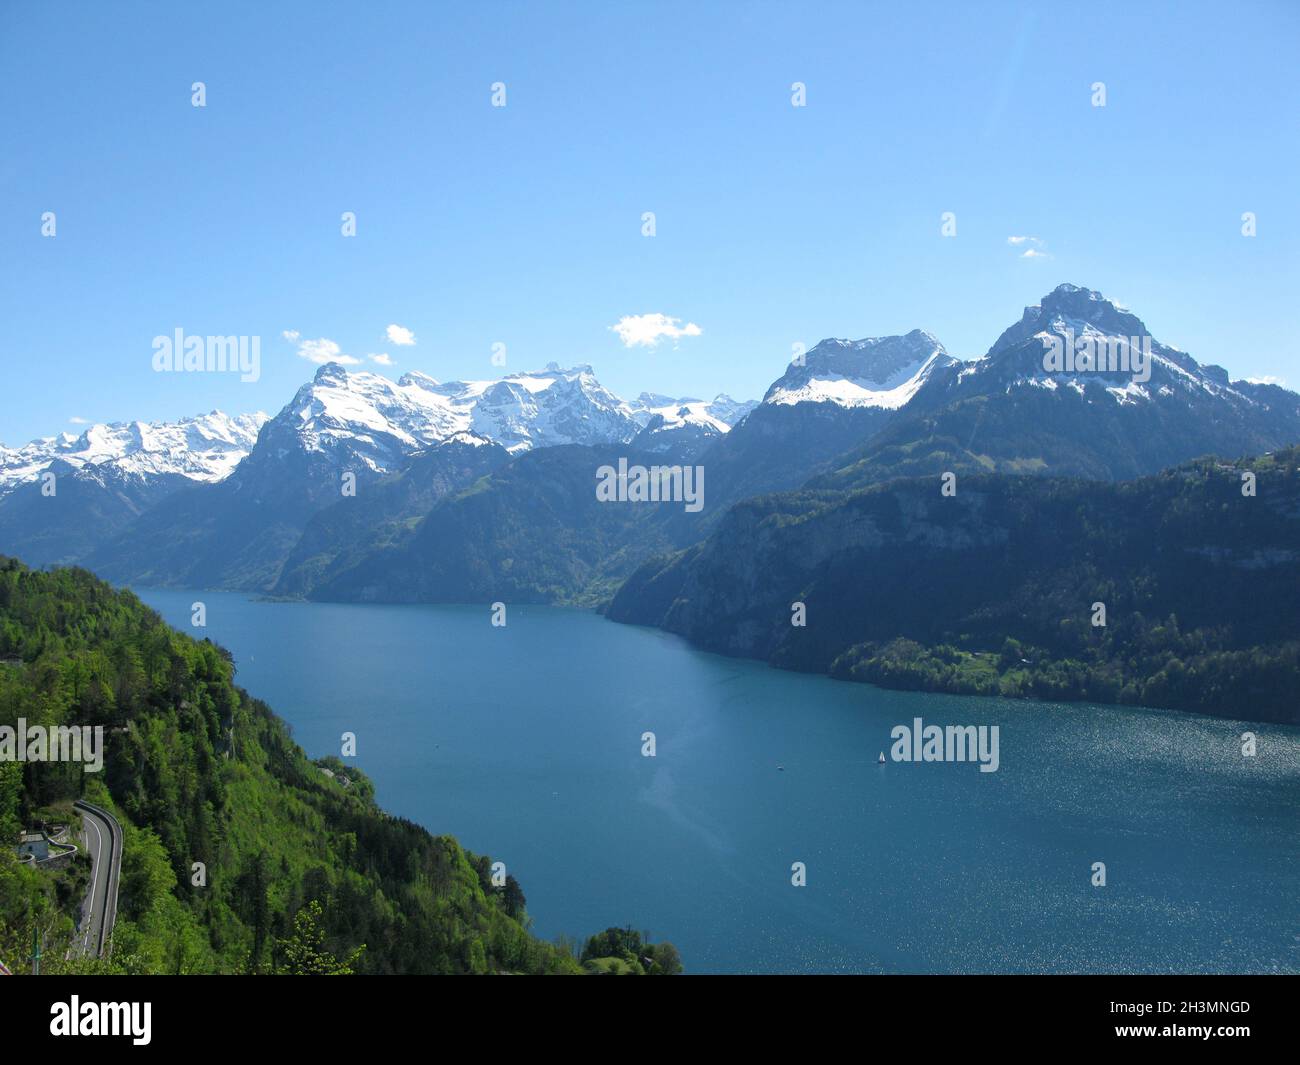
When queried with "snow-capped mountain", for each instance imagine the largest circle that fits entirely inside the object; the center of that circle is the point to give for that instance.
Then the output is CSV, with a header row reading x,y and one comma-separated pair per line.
x,y
666,422
719,413
836,398
340,436
367,422
205,448
880,372
885,551
1088,321
546,408
849,414
108,476
365,418
1077,387
1079,343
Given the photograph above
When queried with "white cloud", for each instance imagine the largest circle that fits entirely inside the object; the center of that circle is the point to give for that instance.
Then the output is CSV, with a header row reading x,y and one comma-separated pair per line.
x,y
1035,247
291,335
381,358
646,330
1267,379
322,351
399,335
78,421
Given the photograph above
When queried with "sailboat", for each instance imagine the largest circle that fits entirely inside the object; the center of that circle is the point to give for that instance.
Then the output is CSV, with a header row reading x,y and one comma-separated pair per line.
x,y
881,759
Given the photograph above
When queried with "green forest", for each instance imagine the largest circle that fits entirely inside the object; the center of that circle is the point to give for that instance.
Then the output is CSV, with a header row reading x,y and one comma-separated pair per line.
x,y
301,872
1199,581
996,590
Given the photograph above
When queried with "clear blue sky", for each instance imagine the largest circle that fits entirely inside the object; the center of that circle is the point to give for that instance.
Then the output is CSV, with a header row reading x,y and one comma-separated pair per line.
x,y
522,225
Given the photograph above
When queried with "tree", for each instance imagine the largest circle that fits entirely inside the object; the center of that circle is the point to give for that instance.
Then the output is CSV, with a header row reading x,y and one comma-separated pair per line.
x,y
304,952
667,962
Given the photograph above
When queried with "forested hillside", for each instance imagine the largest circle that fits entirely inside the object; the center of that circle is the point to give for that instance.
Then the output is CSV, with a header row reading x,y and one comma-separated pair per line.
x,y
303,872
994,589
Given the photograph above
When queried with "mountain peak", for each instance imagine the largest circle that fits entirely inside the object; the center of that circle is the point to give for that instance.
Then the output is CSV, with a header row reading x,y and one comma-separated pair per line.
x,y
331,371
1065,288
1075,307
417,379
872,372
1077,299
554,369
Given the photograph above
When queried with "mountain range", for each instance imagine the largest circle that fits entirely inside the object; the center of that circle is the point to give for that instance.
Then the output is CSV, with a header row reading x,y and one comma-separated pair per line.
x,y
206,449
227,498
479,491
108,476
1006,412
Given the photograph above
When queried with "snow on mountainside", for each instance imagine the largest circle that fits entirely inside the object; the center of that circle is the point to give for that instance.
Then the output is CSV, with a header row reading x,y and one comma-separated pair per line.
x,y
367,418
718,414
685,423
1071,316
842,393
1077,387
880,372
554,406
380,422
204,448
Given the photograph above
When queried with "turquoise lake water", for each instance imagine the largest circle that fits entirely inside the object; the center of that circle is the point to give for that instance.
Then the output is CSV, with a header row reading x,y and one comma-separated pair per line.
x,y
525,743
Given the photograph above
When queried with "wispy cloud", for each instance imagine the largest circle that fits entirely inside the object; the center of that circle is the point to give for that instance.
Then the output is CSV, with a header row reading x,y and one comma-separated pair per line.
x,y
79,421
291,335
1267,379
646,330
1035,247
399,335
381,358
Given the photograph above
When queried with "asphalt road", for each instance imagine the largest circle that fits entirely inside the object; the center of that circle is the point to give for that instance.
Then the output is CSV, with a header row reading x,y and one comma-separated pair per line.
x,y
102,837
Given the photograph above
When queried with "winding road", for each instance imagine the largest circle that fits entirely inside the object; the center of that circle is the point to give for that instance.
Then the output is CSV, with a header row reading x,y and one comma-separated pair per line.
x,y
103,839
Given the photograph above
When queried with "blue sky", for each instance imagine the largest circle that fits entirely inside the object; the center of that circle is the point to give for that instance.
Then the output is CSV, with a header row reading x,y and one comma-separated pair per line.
x,y
522,225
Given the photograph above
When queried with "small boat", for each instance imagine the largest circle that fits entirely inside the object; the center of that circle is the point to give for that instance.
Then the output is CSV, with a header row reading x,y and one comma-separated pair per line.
x,y
780,769
881,759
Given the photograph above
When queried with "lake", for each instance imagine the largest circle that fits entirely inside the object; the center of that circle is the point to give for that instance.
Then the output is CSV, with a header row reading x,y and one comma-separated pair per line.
x,y
525,742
